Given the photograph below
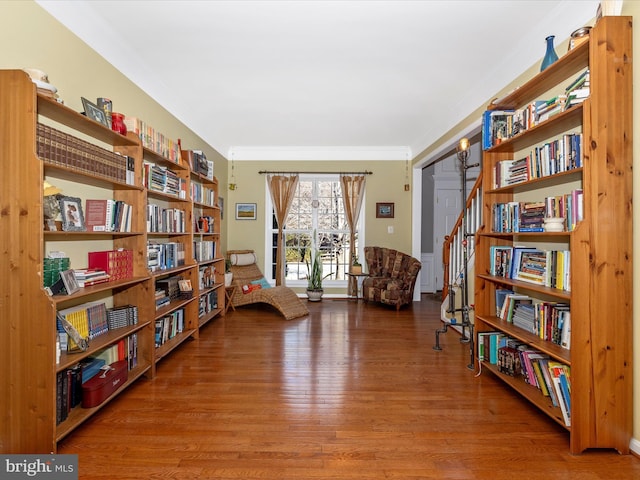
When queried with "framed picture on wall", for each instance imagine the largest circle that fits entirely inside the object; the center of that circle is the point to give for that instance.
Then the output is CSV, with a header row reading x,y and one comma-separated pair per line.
x,y
384,210
246,211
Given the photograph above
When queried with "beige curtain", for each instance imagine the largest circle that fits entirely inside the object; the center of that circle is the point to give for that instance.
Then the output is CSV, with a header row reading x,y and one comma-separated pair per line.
x,y
282,189
352,195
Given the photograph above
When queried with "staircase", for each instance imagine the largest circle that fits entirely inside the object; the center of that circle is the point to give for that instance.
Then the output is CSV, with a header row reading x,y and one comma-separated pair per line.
x,y
453,259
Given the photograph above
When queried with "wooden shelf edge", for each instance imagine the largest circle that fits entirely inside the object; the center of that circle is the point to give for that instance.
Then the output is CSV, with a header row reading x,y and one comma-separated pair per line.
x,y
78,414
54,110
529,392
98,343
552,292
101,287
207,317
556,351
171,344
173,306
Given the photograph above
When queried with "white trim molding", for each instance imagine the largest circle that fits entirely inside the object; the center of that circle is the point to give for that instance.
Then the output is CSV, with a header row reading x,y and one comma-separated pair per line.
x,y
319,153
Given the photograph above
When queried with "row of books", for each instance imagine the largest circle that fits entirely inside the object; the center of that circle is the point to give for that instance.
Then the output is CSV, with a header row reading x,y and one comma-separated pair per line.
x,y
550,321
152,139
501,125
59,148
165,220
207,303
169,326
204,250
199,164
108,215
202,194
550,268
162,256
560,155
92,319
515,217
161,179
70,380
535,368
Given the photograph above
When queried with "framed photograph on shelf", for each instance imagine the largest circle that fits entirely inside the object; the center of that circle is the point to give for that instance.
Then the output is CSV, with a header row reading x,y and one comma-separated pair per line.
x,y
69,280
72,216
246,211
92,111
384,210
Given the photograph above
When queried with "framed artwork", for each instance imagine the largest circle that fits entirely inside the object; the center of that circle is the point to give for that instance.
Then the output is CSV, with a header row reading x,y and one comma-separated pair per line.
x,y
384,210
69,280
92,111
221,204
246,211
72,216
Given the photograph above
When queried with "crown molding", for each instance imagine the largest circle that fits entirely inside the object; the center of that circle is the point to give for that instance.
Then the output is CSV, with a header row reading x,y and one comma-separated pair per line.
x,y
319,153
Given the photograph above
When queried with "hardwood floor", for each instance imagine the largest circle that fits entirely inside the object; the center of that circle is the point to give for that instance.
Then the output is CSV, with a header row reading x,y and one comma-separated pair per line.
x,y
353,391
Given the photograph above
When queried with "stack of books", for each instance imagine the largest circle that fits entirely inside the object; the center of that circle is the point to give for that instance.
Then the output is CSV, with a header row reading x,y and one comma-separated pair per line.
x,y
578,90
85,277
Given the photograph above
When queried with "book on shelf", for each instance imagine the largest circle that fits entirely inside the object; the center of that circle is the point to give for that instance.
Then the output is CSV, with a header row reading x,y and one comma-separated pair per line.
x,y
501,260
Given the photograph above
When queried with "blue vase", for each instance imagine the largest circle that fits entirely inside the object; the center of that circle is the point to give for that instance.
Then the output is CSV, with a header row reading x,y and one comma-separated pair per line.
x,y
550,56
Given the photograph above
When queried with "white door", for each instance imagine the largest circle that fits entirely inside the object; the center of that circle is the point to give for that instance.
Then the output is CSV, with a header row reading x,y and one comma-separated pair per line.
x,y
447,201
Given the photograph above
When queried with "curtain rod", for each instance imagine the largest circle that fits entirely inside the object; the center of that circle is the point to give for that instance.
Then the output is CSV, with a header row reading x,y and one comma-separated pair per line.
x,y
366,172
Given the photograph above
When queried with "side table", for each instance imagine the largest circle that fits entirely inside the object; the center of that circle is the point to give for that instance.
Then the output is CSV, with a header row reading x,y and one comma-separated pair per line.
x,y
228,295
354,287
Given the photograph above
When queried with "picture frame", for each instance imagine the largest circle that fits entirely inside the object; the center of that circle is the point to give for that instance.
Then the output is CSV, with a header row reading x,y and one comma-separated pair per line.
x,y
72,215
246,211
95,113
384,210
221,204
69,280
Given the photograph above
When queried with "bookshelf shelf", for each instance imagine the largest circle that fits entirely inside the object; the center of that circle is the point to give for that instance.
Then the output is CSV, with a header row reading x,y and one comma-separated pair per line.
x,y
78,415
531,393
41,139
68,359
600,245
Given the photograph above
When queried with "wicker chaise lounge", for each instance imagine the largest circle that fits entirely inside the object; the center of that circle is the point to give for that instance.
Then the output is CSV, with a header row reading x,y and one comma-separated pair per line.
x,y
247,276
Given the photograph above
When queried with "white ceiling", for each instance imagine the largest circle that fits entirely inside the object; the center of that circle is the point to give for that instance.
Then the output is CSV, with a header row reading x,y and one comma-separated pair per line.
x,y
321,79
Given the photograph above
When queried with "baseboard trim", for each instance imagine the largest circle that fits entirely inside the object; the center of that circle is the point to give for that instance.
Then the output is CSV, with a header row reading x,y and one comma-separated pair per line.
x,y
634,446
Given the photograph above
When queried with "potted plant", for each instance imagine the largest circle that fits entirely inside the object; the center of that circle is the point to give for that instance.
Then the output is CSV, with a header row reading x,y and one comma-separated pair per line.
x,y
228,274
356,267
314,287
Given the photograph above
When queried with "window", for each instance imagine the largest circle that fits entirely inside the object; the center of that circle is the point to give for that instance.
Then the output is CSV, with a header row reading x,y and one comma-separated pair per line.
x,y
318,209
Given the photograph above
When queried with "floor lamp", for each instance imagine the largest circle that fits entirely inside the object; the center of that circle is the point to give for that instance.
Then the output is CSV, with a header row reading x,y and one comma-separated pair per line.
x,y
462,152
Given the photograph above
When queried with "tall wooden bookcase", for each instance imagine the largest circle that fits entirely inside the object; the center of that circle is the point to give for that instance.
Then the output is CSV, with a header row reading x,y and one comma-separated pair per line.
x,y
600,296
28,357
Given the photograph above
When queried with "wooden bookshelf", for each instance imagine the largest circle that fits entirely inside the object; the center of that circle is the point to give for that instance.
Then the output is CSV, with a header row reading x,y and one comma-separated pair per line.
x,y
28,354
600,299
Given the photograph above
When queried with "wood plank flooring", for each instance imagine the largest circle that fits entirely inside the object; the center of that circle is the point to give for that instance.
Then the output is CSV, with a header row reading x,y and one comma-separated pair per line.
x,y
354,391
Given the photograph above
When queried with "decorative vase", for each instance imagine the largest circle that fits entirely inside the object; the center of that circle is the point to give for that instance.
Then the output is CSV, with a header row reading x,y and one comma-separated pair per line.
x,y
228,278
315,295
117,123
550,56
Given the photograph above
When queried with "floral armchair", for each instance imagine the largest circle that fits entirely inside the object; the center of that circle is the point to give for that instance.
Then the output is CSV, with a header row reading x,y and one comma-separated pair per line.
x,y
392,276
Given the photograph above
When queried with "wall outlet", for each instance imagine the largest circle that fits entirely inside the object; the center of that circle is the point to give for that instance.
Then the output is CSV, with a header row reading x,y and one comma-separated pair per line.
x,y
390,229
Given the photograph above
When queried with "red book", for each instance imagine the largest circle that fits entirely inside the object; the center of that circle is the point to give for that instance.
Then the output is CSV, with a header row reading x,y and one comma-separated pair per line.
x,y
97,215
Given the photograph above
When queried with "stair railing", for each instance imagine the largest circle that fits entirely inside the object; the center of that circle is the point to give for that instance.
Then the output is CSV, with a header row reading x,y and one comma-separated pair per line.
x,y
452,257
